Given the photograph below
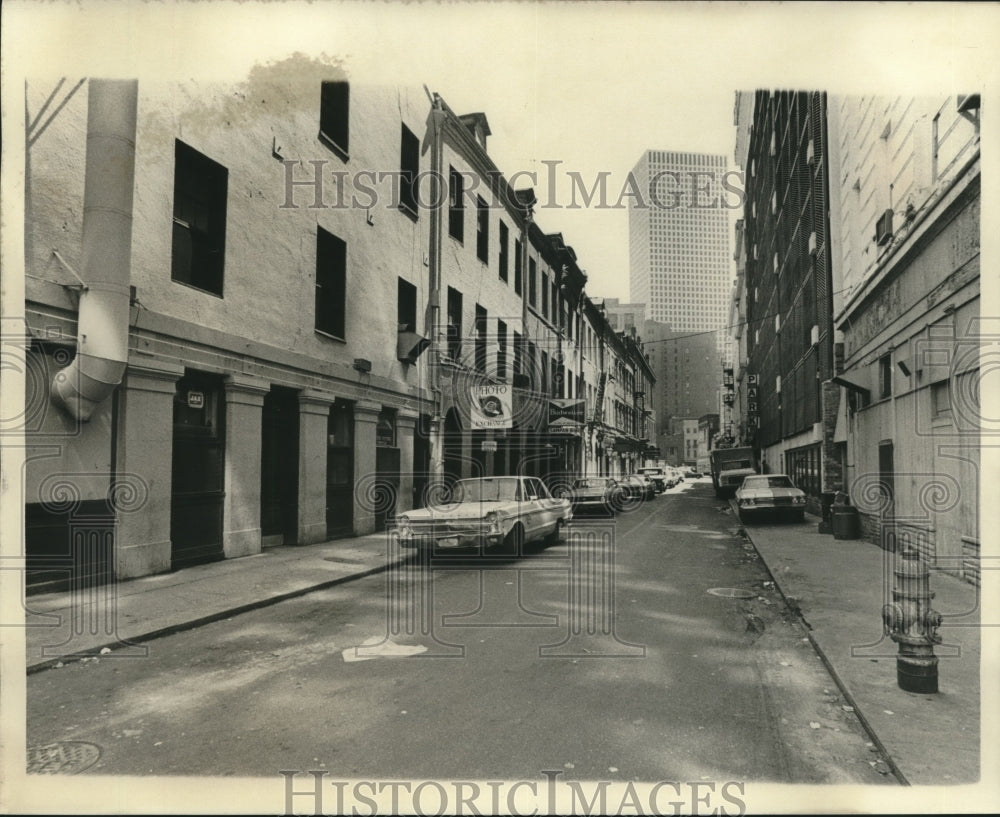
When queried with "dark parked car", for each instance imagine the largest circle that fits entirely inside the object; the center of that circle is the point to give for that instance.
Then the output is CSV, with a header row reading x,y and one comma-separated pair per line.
x,y
637,486
598,495
658,476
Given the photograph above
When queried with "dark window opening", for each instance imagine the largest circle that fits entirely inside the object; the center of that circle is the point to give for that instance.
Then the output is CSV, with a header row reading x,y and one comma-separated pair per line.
x,y
409,164
532,282
456,206
331,284
199,228
454,323
885,376
334,116
504,238
406,306
482,230
480,349
518,268
545,294
501,350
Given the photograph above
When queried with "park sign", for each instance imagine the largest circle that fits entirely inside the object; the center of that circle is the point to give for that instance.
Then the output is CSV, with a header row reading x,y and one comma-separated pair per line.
x,y
491,406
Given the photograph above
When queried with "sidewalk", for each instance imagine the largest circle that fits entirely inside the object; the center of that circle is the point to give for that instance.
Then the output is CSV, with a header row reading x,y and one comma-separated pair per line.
x,y
840,586
67,625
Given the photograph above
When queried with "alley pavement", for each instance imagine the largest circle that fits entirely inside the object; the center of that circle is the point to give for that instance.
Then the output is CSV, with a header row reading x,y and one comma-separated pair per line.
x,y
838,587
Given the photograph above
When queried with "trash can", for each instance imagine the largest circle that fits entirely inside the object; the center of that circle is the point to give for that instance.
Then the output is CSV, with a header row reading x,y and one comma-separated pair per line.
x,y
826,511
846,522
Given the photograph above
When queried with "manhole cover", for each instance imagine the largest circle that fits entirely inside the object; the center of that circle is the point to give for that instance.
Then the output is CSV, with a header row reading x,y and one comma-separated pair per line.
x,y
731,592
65,757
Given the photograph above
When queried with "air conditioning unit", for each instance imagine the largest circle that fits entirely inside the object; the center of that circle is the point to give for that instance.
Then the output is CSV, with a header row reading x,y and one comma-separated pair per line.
x,y
812,243
810,153
814,336
883,228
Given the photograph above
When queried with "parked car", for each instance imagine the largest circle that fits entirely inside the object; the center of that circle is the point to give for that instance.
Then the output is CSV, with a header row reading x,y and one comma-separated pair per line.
x,y
658,476
493,512
594,495
770,492
677,474
637,486
693,473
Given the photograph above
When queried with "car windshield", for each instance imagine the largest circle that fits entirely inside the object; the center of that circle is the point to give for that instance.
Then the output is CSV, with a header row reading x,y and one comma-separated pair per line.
x,y
650,470
756,483
499,489
590,483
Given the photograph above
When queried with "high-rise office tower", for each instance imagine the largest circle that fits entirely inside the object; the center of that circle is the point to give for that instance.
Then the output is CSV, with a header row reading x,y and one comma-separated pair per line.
x,y
679,256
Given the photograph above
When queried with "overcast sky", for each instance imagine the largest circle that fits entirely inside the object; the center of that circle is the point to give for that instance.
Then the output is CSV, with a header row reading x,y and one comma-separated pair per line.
x,y
589,85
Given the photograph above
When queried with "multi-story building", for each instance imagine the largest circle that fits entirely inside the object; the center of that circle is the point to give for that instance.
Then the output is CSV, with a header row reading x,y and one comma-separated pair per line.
x,y
739,408
788,286
232,367
687,370
906,197
248,323
679,258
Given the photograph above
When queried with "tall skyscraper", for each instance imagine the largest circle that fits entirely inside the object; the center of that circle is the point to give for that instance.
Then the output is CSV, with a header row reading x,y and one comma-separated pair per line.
x,y
679,256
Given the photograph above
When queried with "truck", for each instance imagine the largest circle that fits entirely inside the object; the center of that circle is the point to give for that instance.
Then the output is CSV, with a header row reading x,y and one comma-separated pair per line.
x,y
729,467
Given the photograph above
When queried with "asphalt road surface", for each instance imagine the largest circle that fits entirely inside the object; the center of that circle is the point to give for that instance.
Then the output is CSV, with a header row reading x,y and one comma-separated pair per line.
x,y
652,648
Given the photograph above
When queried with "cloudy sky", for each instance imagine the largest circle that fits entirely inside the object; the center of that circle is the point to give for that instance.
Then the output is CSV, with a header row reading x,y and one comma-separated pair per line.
x,y
589,85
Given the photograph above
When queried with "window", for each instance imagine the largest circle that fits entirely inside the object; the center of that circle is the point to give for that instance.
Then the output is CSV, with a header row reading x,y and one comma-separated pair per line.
x,y
334,107
555,301
545,373
409,165
518,354
482,230
545,294
406,306
940,400
480,348
456,206
885,376
331,283
532,282
199,238
454,323
504,238
502,350
518,272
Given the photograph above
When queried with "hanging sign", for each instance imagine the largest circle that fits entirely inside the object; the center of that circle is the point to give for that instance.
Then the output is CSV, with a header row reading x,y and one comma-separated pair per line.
x,y
491,406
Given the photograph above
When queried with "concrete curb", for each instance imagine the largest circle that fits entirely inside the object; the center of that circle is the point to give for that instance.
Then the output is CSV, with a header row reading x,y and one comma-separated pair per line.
x,y
194,623
841,685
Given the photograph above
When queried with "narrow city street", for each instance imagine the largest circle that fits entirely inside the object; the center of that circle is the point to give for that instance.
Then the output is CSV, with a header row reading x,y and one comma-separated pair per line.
x,y
663,653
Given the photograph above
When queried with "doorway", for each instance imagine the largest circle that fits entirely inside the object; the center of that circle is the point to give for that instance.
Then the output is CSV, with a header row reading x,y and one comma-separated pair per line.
x,y
198,466
279,467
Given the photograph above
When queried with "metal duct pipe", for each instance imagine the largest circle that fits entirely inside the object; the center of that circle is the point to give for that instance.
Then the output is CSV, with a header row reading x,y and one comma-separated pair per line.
x,y
103,315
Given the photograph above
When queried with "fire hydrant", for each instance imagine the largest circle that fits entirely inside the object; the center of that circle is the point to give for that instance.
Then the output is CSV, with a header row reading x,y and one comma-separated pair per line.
x,y
913,624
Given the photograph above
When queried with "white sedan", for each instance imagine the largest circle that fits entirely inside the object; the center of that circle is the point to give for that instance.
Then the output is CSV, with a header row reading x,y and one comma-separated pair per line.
x,y
770,492
491,512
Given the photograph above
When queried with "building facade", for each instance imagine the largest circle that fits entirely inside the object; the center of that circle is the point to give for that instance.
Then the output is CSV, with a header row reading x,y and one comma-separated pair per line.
x,y
259,314
679,256
907,242
788,289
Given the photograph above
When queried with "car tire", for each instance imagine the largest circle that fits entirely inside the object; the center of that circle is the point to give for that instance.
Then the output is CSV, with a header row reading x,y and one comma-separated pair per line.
x,y
513,542
553,538
798,516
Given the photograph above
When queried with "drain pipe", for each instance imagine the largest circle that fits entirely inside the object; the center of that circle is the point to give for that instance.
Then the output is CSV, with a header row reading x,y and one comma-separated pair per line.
x,y
103,312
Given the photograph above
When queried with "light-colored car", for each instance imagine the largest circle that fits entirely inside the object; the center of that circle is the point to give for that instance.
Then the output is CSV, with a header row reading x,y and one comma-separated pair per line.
x,y
660,477
770,492
637,486
491,512
598,495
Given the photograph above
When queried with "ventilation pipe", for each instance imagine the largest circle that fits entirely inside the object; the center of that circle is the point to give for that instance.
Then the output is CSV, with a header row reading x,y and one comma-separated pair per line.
x,y
103,314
